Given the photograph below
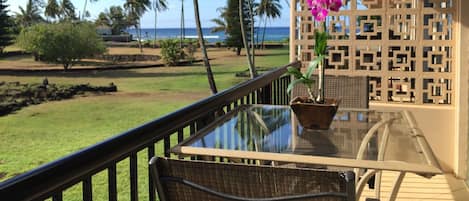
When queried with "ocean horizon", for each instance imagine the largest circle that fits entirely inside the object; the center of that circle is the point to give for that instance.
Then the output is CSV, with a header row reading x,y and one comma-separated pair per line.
x,y
272,33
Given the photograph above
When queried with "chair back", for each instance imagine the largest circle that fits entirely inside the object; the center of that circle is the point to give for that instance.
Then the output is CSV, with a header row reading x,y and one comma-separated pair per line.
x,y
352,90
183,180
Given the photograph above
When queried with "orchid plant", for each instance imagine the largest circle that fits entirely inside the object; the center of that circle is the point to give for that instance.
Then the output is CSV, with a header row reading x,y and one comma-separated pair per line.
x,y
320,10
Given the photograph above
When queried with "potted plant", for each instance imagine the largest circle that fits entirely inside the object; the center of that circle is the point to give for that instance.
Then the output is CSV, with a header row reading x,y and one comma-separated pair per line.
x,y
315,111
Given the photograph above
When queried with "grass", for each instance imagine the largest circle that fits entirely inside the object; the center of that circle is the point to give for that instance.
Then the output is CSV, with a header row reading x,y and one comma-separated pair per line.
x,y
39,134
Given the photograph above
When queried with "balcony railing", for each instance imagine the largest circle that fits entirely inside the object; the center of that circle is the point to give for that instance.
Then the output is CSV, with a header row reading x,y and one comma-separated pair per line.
x,y
52,179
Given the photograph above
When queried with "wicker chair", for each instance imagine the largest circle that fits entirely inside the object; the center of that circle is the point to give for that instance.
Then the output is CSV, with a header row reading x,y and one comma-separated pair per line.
x,y
353,91
183,180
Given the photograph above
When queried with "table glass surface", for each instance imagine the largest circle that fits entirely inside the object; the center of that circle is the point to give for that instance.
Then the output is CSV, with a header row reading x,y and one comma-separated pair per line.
x,y
274,129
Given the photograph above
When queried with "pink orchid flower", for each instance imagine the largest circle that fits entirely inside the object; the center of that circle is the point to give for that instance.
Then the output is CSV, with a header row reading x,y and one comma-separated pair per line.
x,y
320,8
335,5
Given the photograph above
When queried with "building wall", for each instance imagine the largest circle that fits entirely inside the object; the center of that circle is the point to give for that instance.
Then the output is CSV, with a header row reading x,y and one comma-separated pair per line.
x,y
463,89
410,49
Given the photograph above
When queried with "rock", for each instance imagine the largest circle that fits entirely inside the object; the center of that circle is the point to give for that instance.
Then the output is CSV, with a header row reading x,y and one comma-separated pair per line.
x,y
14,95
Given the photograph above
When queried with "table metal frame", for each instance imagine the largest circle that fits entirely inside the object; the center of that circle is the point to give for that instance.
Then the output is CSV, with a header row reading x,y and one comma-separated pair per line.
x,y
359,164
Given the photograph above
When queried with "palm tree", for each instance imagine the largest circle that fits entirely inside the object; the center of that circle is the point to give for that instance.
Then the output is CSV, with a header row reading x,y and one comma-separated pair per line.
x,y
183,32
269,9
211,80
136,9
221,24
29,15
158,6
67,10
251,4
252,68
84,14
52,9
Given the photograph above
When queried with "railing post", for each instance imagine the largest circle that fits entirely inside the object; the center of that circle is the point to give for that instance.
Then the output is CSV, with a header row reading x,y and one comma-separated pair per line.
x,y
266,94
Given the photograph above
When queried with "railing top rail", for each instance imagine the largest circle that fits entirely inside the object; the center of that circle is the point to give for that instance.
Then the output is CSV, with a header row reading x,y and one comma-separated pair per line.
x,y
59,174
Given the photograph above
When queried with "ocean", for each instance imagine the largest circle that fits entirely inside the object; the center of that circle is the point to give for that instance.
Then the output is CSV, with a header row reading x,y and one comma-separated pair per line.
x,y
272,34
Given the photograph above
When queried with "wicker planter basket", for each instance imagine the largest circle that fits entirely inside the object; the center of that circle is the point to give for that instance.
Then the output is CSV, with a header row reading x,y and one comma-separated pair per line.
x,y
314,116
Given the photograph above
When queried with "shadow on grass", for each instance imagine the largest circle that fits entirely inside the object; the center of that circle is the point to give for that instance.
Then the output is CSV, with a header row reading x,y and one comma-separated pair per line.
x,y
271,54
18,58
110,74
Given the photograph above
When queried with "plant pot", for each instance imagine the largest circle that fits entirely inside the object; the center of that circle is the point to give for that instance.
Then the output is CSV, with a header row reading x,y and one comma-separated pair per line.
x,y
314,116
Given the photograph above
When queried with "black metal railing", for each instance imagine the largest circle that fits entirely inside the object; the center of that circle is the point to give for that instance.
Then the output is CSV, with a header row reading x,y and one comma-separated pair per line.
x,y
52,179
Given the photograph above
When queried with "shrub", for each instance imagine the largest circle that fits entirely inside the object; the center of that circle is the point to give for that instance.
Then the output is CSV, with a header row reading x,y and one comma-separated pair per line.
x,y
171,52
189,51
63,43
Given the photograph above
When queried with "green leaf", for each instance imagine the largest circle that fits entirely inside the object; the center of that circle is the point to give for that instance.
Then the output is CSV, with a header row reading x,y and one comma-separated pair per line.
x,y
321,43
295,72
293,83
311,67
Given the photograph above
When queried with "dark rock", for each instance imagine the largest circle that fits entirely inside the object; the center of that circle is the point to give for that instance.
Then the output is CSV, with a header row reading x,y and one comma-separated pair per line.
x,y
14,96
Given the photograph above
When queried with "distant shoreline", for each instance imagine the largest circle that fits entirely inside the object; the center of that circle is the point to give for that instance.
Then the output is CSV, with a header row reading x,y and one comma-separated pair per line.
x,y
272,27
277,34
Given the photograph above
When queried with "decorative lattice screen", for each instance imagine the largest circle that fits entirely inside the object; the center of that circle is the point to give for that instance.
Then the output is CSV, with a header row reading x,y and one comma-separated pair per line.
x,y
406,47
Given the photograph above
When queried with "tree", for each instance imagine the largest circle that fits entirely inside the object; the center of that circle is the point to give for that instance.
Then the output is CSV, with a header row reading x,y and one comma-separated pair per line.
x,y
114,18
30,14
103,19
158,6
63,43
233,27
67,11
52,9
244,31
136,9
268,9
182,25
84,14
208,68
221,24
6,24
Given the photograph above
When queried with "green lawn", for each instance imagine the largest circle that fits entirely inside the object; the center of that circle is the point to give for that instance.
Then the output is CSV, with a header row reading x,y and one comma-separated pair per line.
x,y
42,133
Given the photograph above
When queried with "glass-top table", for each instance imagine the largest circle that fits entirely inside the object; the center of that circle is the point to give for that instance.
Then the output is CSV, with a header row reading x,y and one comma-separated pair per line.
x,y
357,139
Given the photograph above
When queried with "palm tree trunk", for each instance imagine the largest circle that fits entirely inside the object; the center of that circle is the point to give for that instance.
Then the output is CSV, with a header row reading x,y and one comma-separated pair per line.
x,y
139,35
84,10
156,18
257,34
252,69
182,24
263,33
211,80
253,48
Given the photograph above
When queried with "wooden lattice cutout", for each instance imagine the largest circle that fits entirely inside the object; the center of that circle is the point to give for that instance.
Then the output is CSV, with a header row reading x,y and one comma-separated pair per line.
x,y
437,61
402,90
403,4
438,92
335,30
337,57
372,4
369,60
440,3
370,28
402,59
438,27
375,89
402,25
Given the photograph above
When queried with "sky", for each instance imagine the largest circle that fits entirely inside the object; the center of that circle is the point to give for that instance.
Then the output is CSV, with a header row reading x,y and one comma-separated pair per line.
x,y
167,19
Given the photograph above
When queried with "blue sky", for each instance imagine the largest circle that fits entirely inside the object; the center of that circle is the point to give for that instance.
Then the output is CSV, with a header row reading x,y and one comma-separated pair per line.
x,y
169,18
